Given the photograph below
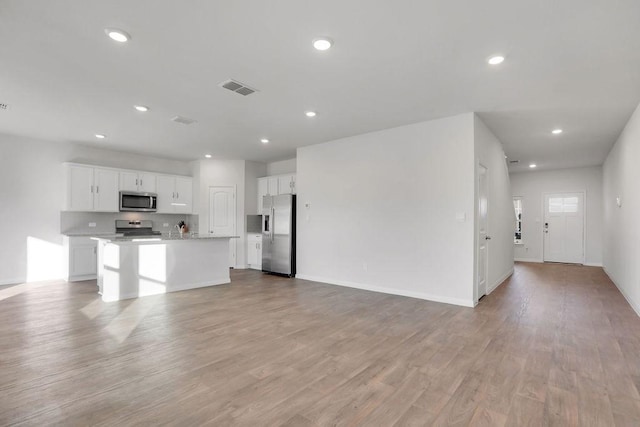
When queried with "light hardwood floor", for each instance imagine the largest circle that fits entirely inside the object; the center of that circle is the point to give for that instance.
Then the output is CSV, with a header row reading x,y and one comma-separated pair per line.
x,y
554,345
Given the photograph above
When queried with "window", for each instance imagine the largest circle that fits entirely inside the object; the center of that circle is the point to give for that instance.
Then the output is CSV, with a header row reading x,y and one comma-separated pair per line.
x,y
517,207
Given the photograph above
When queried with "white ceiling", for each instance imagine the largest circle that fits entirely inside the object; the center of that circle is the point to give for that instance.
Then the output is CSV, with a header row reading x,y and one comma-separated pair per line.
x,y
573,64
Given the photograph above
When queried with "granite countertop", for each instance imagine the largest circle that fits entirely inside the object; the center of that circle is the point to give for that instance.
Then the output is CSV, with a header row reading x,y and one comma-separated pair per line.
x,y
165,237
88,233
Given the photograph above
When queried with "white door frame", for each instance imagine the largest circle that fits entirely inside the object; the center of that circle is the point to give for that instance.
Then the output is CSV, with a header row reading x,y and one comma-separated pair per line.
x,y
232,242
584,219
476,288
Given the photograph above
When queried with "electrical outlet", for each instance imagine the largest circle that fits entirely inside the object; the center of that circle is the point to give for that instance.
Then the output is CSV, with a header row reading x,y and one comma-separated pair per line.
x,y
92,224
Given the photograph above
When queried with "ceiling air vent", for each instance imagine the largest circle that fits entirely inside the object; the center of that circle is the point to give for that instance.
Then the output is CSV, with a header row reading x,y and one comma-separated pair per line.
x,y
183,120
4,106
237,87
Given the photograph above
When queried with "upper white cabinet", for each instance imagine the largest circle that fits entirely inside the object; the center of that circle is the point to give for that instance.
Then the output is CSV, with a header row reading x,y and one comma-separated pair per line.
x,y
274,185
96,189
175,194
143,182
92,189
287,184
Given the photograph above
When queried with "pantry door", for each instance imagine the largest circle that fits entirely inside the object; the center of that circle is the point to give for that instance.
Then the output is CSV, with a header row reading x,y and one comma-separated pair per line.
x,y
222,216
563,228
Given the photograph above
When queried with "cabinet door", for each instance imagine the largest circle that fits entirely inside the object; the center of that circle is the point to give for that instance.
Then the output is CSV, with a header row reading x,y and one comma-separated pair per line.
x,y
263,190
82,260
106,190
146,182
80,188
166,189
184,195
293,184
284,184
258,263
252,250
128,181
272,187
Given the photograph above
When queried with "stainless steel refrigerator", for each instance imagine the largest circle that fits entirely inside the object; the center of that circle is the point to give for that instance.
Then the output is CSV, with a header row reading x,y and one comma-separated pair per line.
x,y
279,234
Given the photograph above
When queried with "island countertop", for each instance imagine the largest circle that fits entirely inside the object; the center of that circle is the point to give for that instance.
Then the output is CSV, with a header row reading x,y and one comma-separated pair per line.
x,y
161,238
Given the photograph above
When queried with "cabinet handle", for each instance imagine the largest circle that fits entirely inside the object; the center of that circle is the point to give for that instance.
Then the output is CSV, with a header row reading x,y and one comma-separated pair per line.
x,y
177,195
173,195
136,181
141,182
97,189
92,188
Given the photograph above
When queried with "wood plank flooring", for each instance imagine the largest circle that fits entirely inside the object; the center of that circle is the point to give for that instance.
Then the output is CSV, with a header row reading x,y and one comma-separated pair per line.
x,y
554,345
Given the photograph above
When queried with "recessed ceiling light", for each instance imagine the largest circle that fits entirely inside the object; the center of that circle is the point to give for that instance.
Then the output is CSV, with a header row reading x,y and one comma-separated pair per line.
x,y
100,136
495,60
141,108
117,35
310,114
533,165
264,140
208,156
322,43
556,131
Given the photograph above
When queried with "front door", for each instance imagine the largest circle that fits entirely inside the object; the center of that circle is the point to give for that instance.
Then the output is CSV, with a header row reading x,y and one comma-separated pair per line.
x,y
222,216
483,237
564,228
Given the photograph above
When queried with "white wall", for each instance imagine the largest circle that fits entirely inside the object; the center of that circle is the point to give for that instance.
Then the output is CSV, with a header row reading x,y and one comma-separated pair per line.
x,y
281,167
532,185
490,153
382,211
32,193
253,171
211,173
622,224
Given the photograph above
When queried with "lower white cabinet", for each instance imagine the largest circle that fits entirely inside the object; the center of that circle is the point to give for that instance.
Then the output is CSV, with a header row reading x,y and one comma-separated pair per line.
x,y
82,258
254,251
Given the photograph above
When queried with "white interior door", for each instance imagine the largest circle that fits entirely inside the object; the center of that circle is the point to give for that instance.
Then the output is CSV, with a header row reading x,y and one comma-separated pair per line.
x,y
564,228
483,237
222,216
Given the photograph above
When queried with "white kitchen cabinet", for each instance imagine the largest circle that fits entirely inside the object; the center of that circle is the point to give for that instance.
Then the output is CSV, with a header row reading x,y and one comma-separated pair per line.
x,y
143,182
254,251
92,189
263,190
82,258
287,184
274,185
175,194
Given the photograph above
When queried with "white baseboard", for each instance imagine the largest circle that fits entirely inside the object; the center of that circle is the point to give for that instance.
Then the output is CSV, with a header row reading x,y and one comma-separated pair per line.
x,y
635,306
593,264
539,261
499,281
411,294
13,281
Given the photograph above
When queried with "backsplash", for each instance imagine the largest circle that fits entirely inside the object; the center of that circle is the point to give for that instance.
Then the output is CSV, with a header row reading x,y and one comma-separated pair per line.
x,y
78,222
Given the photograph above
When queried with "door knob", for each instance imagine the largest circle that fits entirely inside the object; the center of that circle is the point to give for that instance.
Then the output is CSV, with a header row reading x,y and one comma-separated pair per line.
x,y
487,237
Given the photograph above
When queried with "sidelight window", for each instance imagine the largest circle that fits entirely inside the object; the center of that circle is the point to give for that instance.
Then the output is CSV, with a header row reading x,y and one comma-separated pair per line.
x,y
517,207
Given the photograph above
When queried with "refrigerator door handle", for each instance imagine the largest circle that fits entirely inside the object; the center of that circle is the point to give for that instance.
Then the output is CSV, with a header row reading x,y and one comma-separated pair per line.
x,y
273,214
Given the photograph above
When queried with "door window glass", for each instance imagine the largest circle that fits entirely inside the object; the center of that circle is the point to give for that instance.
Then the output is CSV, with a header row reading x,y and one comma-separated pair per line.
x,y
517,207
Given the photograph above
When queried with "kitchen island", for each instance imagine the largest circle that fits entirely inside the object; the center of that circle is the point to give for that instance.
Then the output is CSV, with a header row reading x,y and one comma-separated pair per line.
x,y
131,267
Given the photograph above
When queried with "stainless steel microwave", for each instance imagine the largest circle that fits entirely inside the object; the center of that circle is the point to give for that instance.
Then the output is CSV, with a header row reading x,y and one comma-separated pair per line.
x,y
138,202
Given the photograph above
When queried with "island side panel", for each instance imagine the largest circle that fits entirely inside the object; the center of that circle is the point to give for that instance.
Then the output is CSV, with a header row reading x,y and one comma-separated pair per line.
x,y
135,269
